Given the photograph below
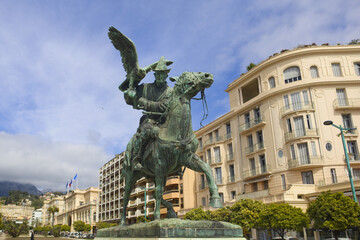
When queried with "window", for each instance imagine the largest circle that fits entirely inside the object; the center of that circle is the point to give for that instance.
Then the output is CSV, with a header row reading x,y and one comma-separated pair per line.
x,y
252,166
203,200
283,181
217,138
292,74
292,150
254,187
210,138
272,82
296,101
233,194
231,173
200,143
228,129
299,126
221,196
314,72
356,173
288,122
266,184
209,156
341,95
306,97
260,139
353,150
286,102
303,153
333,175
313,148
336,69
257,115
250,143
308,121
217,154
181,188
230,150
357,68
202,181
201,158
262,164
247,119
218,175
307,177
347,121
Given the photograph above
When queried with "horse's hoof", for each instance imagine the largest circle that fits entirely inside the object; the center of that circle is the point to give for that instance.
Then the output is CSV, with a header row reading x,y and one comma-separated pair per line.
x,y
171,214
216,202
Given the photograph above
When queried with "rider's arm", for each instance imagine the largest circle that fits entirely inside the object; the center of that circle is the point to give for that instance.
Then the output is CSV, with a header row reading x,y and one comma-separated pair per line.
x,y
152,106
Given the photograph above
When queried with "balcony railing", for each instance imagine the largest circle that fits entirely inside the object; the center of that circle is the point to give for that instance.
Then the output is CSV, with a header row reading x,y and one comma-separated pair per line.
x,y
257,171
254,148
231,179
227,136
218,138
209,142
299,106
353,157
307,161
203,185
346,103
352,132
219,180
299,133
230,157
217,159
251,123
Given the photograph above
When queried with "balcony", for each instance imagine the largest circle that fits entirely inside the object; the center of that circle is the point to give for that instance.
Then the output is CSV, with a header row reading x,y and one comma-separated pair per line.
x,y
346,103
353,157
218,138
351,133
305,162
217,159
209,142
203,185
257,172
219,181
231,179
227,136
296,107
301,133
248,126
254,148
230,157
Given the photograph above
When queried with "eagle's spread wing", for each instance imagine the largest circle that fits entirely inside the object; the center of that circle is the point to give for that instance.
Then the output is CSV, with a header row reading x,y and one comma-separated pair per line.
x,y
127,49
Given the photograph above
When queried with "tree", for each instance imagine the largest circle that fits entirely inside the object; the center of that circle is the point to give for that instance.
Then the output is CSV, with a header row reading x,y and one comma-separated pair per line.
x,y
79,226
12,228
198,214
354,42
56,230
1,221
100,225
246,213
87,228
221,214
335,212
251,65
65,228
283,217
52,210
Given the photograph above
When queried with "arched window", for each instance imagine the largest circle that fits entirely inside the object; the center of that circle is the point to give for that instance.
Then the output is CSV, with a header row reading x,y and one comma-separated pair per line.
x,y
314,72
292,74
272,83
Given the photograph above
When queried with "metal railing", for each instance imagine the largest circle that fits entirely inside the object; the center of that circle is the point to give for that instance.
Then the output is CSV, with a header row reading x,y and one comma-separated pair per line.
x,y
231,179
257,171
230,157
227,136
347,103
353,157
305,161
219,180
303,132
298,106
254,148
203,185
251,123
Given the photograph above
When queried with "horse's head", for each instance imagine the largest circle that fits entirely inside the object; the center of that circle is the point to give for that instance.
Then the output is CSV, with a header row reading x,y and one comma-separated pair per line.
x,y
188,84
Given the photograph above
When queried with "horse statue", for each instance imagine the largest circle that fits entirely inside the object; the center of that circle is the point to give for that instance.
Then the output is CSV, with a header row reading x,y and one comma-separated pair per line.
x,y
167,153
167,144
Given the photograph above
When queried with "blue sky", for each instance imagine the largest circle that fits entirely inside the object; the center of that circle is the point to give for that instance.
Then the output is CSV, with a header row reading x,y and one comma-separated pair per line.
x,y
61,112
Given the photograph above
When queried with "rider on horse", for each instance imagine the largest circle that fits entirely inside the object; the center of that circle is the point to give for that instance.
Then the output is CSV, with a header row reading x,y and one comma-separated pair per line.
x,y
153,98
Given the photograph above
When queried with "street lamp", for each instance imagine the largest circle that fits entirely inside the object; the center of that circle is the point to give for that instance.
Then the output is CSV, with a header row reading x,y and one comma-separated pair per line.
x,y
329,122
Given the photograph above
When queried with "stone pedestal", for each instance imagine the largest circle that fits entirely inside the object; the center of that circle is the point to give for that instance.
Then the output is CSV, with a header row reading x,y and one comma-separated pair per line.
x,y
173,229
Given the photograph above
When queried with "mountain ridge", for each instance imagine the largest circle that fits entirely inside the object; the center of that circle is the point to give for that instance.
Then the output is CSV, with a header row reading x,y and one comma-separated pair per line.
x,y
6,186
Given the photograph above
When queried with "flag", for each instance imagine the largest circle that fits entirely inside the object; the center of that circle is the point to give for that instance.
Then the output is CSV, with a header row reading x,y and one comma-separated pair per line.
x,y
75,177
67,183
70,183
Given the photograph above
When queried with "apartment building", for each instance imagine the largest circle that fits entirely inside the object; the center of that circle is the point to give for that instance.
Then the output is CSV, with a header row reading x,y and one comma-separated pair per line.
x,y
16,213
272,145
142,200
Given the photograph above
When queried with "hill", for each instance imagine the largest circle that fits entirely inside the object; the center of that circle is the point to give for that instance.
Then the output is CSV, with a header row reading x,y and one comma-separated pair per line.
x,y
6,186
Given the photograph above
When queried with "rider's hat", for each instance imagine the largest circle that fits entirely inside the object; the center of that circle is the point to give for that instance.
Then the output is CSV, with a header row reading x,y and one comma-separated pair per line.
x,y
161,66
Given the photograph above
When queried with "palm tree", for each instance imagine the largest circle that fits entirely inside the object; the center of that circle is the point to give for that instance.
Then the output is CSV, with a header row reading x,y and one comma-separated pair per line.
x,y
52,210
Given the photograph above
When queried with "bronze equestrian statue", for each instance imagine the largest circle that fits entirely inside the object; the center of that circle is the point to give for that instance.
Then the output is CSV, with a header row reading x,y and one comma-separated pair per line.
x,y
165,141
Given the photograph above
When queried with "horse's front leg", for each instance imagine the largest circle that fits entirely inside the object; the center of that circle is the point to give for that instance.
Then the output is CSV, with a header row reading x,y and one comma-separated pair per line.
x,y
195,163
169,207
159,190
130,180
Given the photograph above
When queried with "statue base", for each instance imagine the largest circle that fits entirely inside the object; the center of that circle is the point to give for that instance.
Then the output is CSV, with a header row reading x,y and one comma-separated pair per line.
x,y
173,229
